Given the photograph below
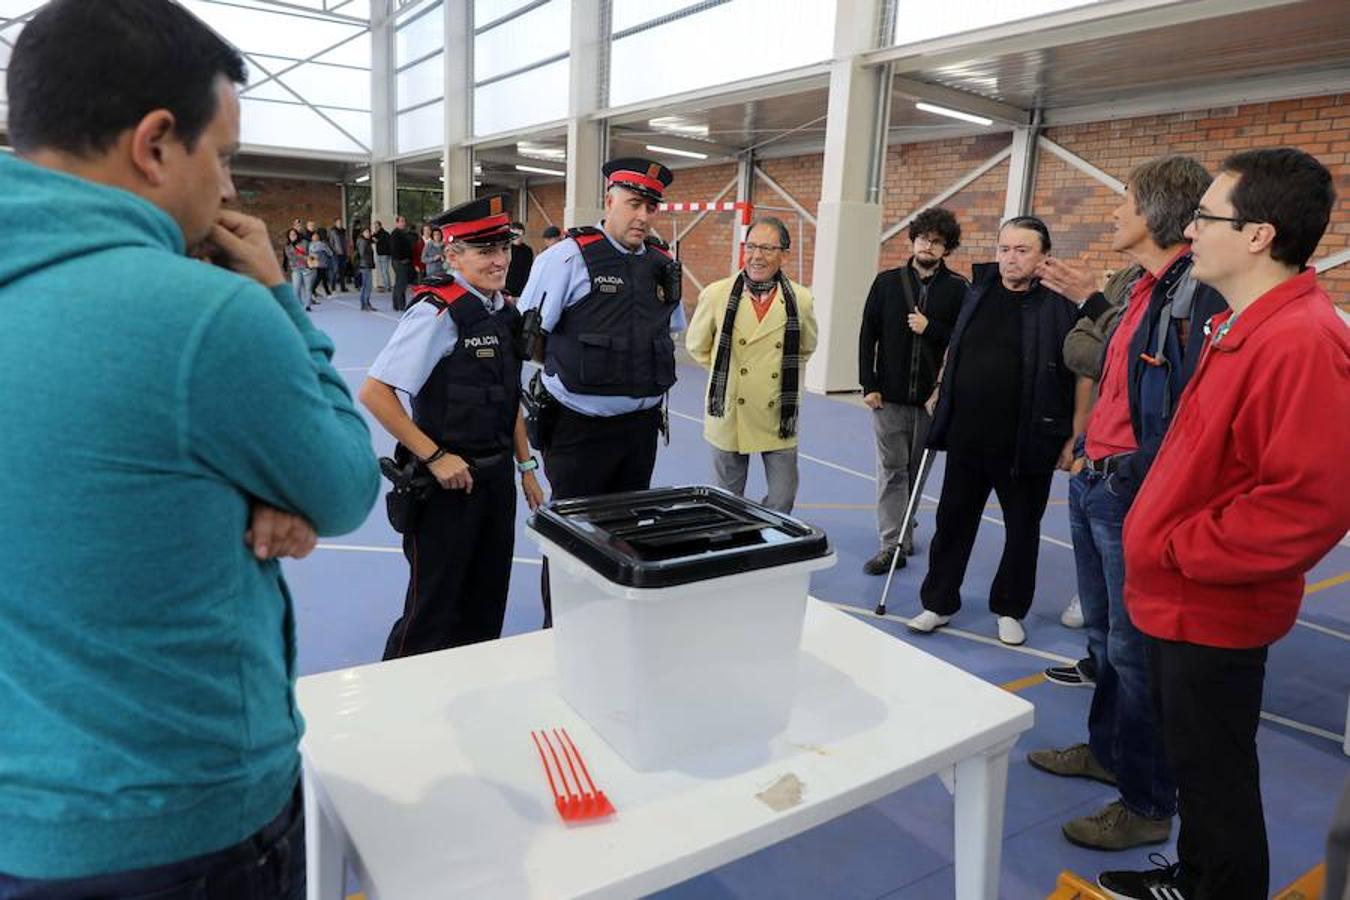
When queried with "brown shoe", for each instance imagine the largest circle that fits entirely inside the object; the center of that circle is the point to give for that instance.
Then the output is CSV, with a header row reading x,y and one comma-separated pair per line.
x,y
1072,762
881,563
1116,827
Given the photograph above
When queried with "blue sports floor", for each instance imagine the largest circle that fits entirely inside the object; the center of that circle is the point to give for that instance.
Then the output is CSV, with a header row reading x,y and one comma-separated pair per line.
x,y
350,590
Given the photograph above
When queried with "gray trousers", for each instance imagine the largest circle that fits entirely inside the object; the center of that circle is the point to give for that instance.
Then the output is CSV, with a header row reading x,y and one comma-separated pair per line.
x,y
780,471
386,279
901,431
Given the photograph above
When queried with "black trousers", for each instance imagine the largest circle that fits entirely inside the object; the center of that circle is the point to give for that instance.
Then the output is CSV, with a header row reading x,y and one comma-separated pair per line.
x,y
968,479
1208,701
403,276
459,554
593,455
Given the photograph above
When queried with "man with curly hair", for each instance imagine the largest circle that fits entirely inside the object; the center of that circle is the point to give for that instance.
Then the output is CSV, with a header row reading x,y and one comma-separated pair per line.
x,y
907,322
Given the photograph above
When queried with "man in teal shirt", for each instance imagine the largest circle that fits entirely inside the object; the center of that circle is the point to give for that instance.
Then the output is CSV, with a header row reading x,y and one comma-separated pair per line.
x,y
170,427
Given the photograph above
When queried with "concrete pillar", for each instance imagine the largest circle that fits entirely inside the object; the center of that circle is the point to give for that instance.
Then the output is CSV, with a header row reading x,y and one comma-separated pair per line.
x,y
745,193
587,140
1022,170
456,155
383,191
848,226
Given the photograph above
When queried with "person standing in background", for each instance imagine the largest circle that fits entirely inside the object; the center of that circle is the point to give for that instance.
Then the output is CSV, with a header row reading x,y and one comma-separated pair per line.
x,y
907,320
365,262
522,259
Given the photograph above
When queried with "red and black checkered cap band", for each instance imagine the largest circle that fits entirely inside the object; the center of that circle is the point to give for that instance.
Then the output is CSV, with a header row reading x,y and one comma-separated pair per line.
x,y
479,231
639,181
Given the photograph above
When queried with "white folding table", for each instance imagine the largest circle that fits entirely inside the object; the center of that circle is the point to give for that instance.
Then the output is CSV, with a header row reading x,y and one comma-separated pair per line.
x,y
421,773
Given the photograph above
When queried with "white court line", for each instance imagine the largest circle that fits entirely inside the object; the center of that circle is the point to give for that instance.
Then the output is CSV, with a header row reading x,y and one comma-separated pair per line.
x,y
359,548
872,478
1055,657
1324,629
357,307
957,632
1306,729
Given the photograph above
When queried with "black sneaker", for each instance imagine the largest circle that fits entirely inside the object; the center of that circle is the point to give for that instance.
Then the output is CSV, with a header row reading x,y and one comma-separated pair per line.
x,y
1161,883
881,563
1076,675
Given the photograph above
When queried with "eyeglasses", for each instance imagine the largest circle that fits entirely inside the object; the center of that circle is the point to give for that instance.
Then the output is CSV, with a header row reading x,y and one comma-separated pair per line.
x,y
762,248
936,243
1197,217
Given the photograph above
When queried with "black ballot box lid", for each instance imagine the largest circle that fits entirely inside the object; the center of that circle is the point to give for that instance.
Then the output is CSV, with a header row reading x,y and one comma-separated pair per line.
x,y
672,536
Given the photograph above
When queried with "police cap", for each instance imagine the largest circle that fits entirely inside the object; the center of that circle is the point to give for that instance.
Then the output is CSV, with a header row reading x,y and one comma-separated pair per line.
x,y
642,176
481,221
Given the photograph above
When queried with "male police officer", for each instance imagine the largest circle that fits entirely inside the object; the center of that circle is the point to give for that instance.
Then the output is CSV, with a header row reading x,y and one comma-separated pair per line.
x,y
607,299
455,354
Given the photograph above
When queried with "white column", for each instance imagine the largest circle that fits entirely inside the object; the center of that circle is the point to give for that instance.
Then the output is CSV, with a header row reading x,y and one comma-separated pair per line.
x,y
382,104
586,138
456,156
848,227
745,193
1021,171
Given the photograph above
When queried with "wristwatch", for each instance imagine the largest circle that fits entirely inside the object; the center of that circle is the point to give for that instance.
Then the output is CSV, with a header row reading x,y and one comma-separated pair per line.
x,y
528,465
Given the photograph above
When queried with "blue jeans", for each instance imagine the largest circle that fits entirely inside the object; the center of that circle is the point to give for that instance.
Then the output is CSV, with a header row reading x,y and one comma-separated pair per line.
x,y
365,287
300,286
1122,729
269,865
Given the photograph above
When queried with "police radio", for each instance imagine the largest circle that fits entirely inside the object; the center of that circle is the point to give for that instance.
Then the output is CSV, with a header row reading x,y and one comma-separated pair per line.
x,y
670,276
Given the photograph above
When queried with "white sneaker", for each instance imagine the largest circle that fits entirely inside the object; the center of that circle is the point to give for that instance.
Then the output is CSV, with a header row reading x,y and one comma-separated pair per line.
x,y
927,621
1010,631
1072,617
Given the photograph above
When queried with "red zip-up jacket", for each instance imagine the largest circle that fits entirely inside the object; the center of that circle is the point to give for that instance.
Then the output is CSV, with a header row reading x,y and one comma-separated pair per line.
x,y
1249,489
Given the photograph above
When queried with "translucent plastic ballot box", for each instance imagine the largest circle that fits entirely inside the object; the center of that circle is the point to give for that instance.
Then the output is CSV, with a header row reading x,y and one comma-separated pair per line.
x,y
677,616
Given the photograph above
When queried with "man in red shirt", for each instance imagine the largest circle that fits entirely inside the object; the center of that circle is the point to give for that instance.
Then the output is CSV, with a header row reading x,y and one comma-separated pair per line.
x,y
1124,745
1246,495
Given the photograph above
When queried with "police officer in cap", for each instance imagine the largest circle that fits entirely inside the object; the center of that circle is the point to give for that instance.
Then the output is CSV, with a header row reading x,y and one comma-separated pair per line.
x,y
455,353
606,300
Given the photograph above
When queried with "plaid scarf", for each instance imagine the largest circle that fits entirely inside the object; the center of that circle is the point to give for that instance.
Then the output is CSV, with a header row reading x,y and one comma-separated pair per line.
x,y
788,379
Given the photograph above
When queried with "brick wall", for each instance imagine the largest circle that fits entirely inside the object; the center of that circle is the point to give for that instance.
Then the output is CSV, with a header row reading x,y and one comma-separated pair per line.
x,y
1076,207
706,249
551,197
917,172
799,176
279,200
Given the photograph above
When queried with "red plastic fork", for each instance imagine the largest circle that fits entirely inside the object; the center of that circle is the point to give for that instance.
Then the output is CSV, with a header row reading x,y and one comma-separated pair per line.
x,y
587,801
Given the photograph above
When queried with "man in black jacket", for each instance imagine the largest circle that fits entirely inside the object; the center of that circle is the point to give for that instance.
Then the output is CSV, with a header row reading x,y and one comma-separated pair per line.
x,y
386,280
1007,417
906,324
401,242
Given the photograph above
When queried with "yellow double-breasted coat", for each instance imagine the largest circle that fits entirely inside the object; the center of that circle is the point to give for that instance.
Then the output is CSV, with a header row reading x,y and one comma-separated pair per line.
x,y
752,413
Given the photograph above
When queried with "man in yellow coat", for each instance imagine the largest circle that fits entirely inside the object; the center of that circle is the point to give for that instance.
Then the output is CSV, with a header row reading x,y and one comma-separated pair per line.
x,y
754,332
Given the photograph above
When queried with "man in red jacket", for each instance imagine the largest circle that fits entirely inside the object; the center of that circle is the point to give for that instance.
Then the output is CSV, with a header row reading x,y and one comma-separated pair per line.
x,y
1246,495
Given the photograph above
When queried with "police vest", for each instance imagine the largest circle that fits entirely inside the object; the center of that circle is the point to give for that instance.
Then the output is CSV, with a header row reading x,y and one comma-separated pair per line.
x,y
468,404
616,340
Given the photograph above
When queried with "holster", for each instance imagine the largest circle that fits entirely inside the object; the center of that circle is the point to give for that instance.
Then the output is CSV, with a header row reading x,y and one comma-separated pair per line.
x,y
541,412
412,486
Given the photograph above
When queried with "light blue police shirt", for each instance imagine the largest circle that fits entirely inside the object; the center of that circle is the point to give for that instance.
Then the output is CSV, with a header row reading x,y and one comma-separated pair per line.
x,y
558,280
422,339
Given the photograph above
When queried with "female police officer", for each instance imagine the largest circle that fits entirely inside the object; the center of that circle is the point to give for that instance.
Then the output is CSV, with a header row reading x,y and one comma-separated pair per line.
x,y
454,354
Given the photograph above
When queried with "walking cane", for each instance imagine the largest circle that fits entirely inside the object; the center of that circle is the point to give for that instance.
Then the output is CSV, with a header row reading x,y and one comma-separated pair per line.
x,y
915,491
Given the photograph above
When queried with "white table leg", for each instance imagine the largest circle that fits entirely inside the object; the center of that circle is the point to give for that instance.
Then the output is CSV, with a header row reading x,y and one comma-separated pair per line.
x,y
981,786
325,865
